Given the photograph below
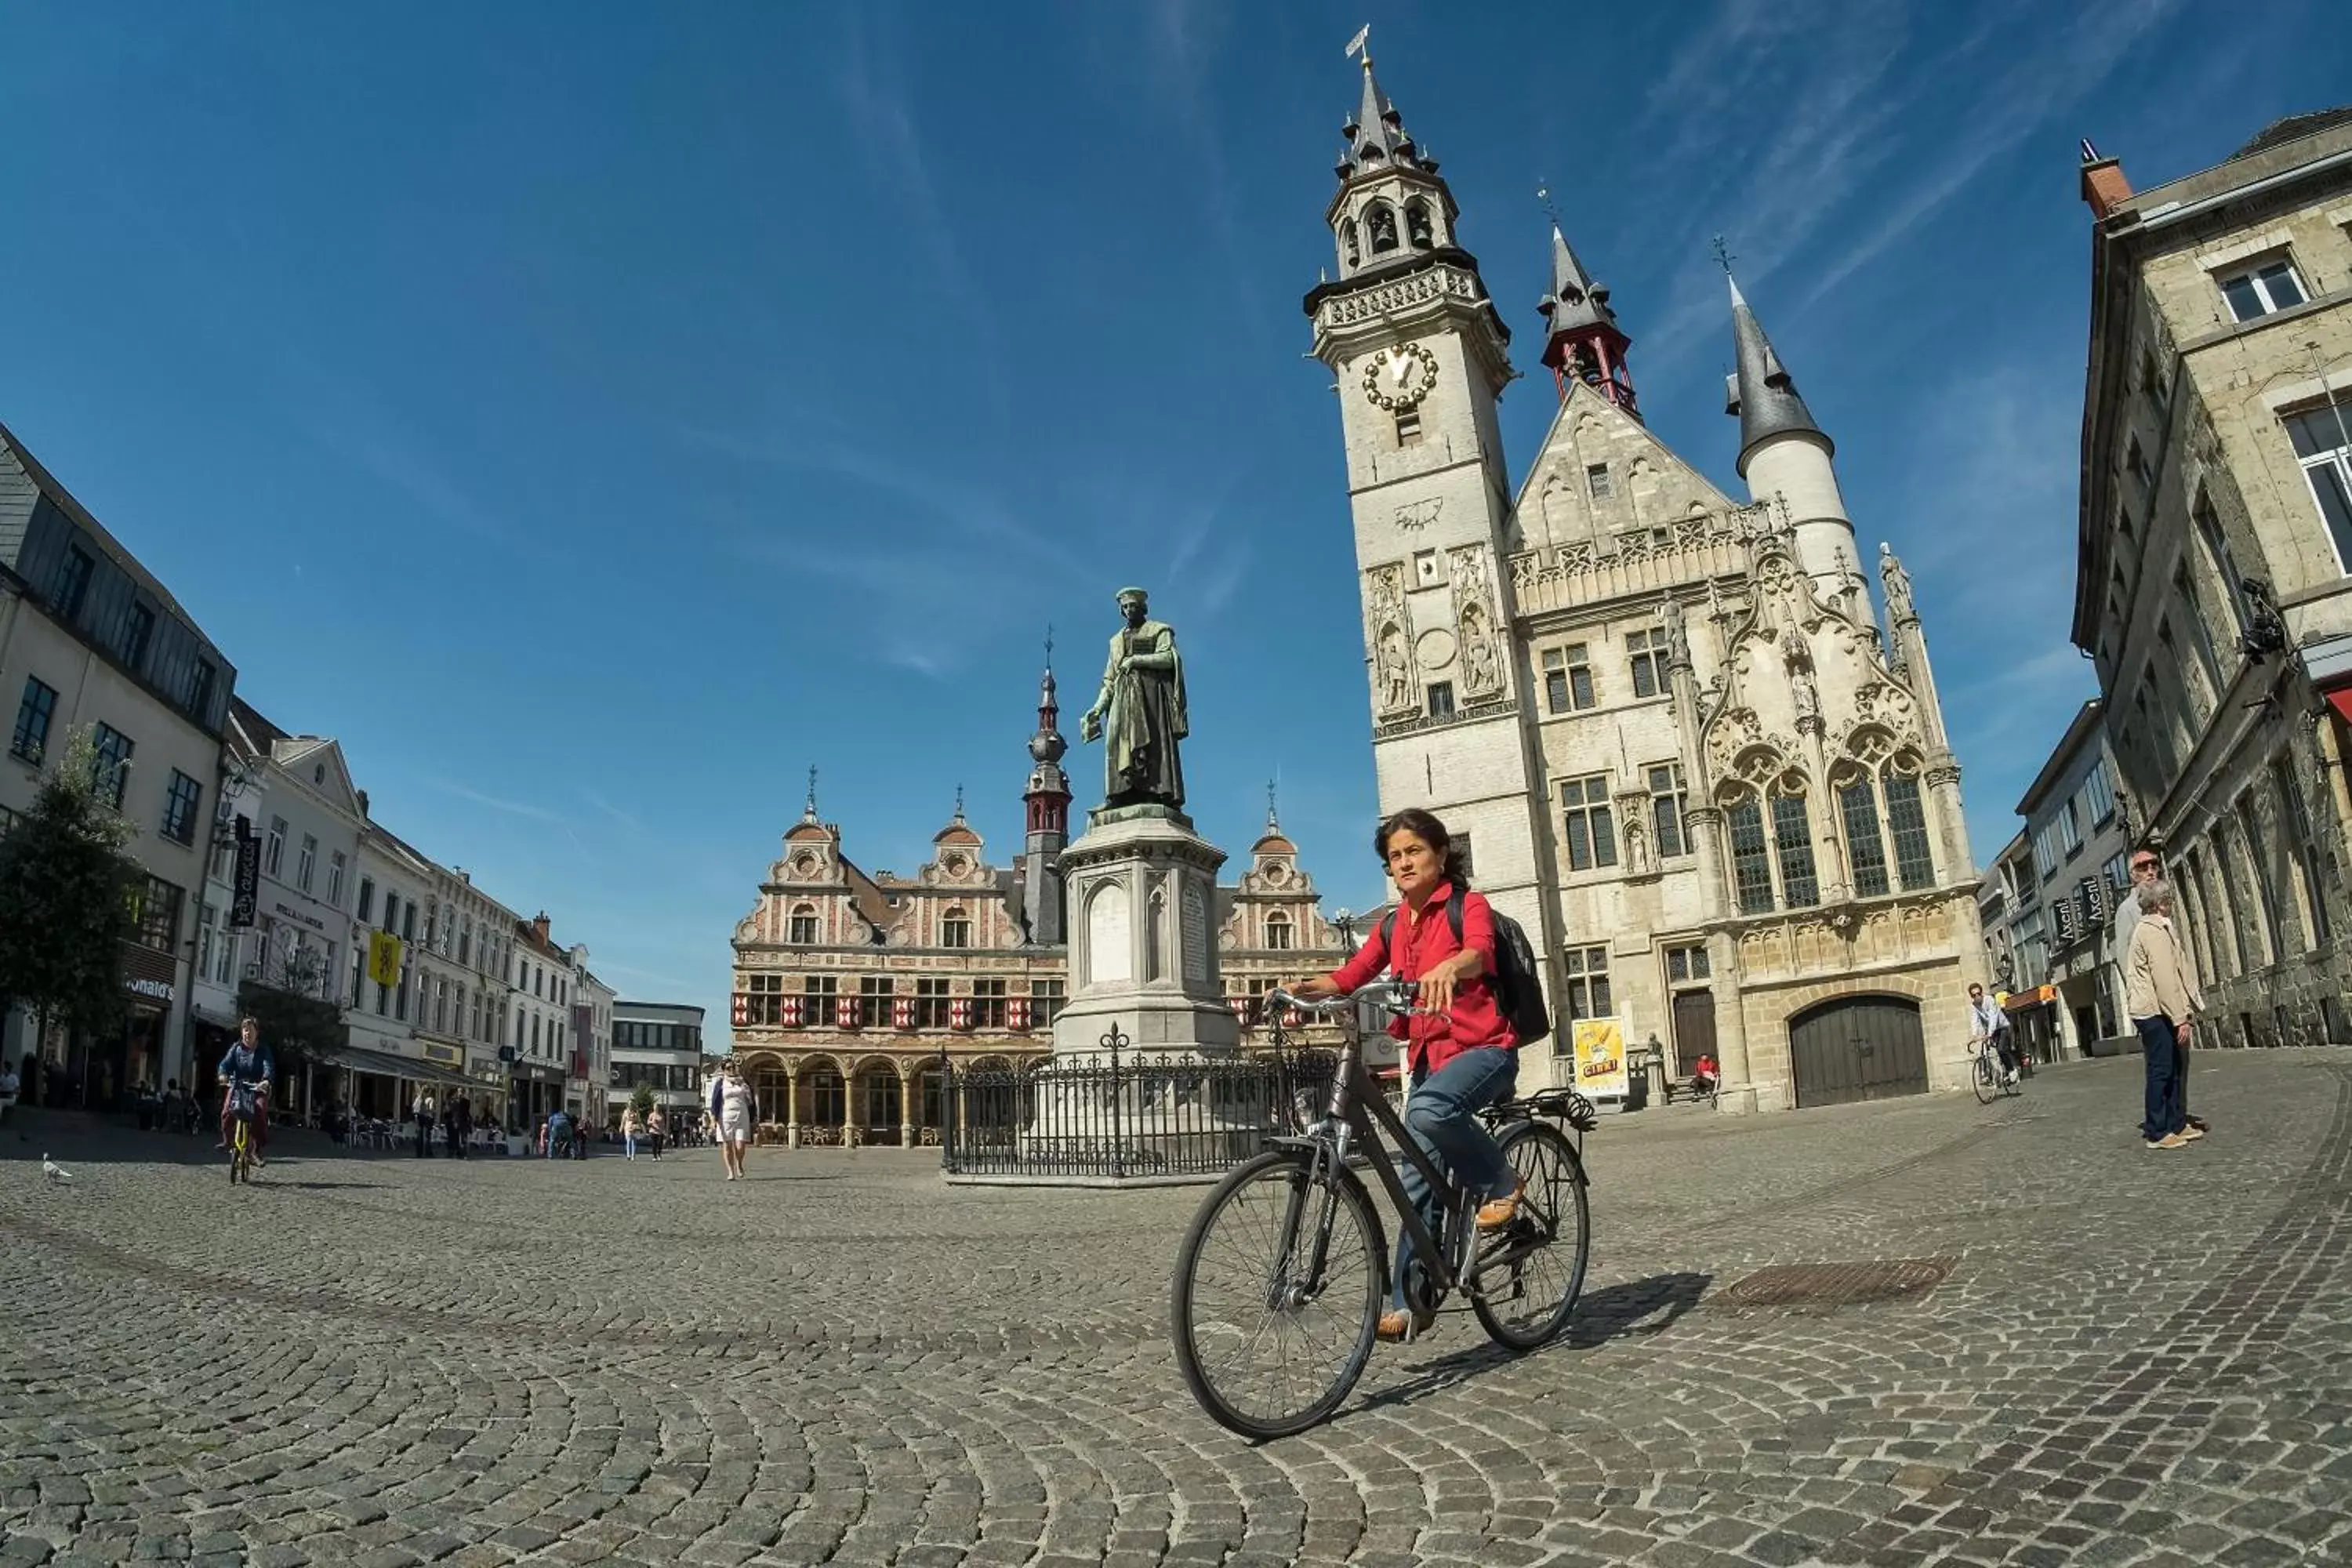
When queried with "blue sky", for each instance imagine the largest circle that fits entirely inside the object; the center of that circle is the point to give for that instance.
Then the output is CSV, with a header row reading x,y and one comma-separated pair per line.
x,y
596,415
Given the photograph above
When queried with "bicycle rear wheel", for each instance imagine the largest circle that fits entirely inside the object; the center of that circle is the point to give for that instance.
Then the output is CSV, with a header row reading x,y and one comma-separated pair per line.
x,y
1532,1272
1268,1350
1983,1078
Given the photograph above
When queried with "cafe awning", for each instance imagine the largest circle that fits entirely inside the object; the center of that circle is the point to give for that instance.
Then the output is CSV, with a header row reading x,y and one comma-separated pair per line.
x,y
385,1066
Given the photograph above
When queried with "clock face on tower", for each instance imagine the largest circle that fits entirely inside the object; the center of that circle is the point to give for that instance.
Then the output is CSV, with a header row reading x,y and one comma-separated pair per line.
x,y
1400,377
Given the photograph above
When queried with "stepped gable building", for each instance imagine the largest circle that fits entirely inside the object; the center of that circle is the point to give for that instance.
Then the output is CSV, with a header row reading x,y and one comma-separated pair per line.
x,y
1689,758
851,985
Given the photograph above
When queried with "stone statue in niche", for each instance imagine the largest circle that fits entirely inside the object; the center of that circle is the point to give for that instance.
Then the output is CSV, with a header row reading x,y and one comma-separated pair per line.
x,y
1671,616
1396,676
1480,673
1898,585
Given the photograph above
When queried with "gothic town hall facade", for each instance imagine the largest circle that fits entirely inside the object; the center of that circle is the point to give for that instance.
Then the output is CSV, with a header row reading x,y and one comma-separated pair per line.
x,y
1692,758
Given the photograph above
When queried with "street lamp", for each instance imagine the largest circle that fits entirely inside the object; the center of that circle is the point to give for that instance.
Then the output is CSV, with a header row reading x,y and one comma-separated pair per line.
x,y
1343,920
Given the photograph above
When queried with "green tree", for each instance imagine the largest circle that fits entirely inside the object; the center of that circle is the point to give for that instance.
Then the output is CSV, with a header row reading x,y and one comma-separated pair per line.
x,y
291,1005
641,1100
67,896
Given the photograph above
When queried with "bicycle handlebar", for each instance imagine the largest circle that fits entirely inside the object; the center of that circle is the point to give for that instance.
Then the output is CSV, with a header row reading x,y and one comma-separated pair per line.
x,y
1394,997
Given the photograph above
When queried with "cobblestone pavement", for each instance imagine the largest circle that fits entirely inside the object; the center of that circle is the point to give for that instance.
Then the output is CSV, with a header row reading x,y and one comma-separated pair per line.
x,y
2138,1358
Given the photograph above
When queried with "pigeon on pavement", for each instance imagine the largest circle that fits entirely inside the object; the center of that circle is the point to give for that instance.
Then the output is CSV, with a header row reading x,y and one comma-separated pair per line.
x,y
54,1171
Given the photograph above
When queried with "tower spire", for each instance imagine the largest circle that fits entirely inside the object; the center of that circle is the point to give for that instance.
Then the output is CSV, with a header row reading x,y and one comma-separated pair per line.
x,y
1273,819
808,812
1761,391
1048,802
1585,344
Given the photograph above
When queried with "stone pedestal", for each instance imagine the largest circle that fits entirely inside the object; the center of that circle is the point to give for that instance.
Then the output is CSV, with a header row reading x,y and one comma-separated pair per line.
x,y
1142,890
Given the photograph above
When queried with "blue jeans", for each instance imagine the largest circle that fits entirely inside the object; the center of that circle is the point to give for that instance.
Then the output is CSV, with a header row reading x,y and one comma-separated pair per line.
x,y
1441,1115
2166,1104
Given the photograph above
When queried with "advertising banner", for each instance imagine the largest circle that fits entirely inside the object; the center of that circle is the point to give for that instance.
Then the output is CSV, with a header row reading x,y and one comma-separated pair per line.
x,y
1600,1057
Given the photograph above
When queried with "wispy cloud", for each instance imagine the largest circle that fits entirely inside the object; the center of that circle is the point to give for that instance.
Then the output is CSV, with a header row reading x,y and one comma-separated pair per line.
x,y
530,810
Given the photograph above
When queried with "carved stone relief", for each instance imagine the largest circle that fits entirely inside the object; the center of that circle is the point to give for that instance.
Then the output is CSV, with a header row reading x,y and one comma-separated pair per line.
x,y
1474,613
1390,618
1418,514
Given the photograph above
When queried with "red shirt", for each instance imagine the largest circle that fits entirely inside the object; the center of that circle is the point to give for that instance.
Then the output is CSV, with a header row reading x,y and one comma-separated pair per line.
x,y
1421,945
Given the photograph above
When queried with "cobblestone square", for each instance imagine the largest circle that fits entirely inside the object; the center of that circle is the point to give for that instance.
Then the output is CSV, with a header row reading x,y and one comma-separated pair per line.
x,y
2137,1358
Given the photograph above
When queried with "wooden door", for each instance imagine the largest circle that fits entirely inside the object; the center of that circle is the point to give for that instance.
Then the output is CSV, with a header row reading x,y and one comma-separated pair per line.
x,y
1857,1047
1693,1030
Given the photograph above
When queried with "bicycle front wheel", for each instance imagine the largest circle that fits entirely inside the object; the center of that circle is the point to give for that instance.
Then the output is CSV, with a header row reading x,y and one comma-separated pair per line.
x,y
1530,1274
1985,1077
1269,1342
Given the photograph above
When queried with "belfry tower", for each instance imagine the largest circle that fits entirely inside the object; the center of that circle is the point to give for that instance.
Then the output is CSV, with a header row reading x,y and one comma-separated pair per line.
x,y
1420,355
1585,344
1049,800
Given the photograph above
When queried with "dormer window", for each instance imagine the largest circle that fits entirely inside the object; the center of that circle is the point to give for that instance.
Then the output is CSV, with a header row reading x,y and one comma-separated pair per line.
x,y
1279,932
801,933
955,930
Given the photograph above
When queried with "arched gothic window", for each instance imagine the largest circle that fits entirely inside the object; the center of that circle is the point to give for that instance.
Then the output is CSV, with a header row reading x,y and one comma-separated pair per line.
x,y
1379,222
1771,834
1416,224
1280,934
802,930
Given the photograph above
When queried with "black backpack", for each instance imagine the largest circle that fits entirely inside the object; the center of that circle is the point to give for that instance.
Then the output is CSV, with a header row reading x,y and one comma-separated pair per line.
x,y
1517,993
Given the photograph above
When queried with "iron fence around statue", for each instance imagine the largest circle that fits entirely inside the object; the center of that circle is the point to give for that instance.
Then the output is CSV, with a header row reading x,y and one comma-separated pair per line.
x,y
1124,1115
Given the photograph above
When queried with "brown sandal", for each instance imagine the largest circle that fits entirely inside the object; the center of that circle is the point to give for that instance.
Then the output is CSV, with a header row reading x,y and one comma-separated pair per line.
x,y
1401,1328
1496,1212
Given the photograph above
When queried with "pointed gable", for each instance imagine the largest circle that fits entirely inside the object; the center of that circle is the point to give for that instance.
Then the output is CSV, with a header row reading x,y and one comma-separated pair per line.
x,y
318,764
1603,474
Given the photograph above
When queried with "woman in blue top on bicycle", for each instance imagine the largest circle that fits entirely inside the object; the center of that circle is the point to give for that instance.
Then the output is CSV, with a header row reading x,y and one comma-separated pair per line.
x,y
1459,1047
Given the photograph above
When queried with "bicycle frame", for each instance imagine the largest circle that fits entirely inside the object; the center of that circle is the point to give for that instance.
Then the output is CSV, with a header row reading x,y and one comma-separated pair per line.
x,y
1356,1106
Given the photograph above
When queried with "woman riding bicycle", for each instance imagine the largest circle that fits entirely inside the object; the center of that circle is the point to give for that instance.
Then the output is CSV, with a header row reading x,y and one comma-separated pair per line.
x,y
1459,1047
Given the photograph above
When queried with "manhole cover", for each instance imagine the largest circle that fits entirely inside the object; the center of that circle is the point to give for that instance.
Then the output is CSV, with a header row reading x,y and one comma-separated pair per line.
x,y
1842,1283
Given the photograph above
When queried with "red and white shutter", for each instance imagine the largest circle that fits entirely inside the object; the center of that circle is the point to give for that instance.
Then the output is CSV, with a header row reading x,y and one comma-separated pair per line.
x,y
845,1011
1294,1018
743,1009
1241,1006
959,1012
902,1013
793,1012
1016,1013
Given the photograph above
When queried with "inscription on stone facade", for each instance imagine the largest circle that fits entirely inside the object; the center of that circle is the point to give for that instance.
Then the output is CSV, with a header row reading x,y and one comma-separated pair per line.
x,y
1196,933
1110,935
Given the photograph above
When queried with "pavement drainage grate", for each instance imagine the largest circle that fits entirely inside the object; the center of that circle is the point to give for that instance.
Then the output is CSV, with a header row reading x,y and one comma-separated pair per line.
x,y
1842,1283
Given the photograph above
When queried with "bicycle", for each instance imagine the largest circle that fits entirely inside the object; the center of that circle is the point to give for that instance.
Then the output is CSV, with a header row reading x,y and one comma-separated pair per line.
x,y
1986,1075
242,1111
1292,1236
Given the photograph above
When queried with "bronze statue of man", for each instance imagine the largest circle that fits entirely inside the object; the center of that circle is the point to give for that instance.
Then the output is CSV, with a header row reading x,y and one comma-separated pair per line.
x,y
1142,699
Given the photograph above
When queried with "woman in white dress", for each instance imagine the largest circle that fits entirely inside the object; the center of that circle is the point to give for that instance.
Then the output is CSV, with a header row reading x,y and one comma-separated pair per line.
x,y
732,1102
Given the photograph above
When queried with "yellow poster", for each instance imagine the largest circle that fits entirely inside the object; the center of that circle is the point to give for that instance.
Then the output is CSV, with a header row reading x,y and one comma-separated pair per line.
x,y
1600,1057
384,959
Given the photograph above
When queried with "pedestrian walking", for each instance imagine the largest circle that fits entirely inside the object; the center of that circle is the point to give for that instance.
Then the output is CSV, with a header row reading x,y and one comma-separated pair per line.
x,y
9,1084
423,1113
629,1132
461,1125
2161,994
2146,868
656,1127
730,1109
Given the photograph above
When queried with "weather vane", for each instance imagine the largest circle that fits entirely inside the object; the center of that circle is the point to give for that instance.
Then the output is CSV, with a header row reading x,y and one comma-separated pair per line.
x,y
1362,44
1723,256
811,810
1543,195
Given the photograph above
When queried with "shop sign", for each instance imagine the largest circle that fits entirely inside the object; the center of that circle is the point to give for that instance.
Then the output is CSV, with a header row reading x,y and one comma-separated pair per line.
x,y
443,1056
153,990
291,913
248,877
384,959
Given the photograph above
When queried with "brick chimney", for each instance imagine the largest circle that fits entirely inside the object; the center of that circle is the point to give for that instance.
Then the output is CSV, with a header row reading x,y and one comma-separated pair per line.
x,y
539,927
2103,185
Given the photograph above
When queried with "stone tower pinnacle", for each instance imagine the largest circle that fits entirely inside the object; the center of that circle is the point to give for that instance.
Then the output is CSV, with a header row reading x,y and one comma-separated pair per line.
x,y
1585,344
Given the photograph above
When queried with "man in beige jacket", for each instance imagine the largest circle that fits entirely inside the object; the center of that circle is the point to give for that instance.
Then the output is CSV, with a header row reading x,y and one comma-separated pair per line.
x,y
2160,992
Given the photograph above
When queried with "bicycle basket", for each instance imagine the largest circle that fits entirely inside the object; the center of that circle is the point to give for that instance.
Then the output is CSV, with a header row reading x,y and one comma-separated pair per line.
x,y
241,1102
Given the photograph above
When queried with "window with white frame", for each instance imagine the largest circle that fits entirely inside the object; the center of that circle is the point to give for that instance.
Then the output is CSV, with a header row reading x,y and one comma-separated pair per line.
x,y
306,863
273,848
336,865
2070,826
802,929
2257,291
1279,932
2323,445
2045,851
955,930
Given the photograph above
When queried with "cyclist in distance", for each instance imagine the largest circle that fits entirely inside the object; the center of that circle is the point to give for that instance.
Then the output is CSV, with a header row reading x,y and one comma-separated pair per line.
x,y
1461,1051
247,1061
